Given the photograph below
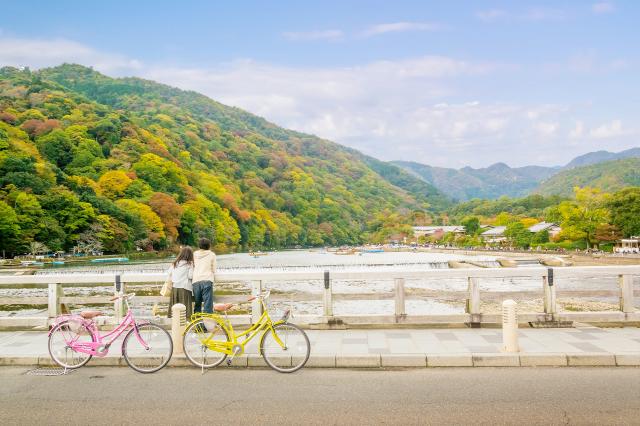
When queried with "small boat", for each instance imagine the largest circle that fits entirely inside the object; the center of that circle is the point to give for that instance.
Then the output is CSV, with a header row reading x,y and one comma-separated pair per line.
x,y
257,253
376,250
345,252
110,259
31,263
58,262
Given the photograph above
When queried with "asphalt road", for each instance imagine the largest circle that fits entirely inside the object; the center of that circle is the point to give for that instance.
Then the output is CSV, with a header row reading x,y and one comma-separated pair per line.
x,y
182,396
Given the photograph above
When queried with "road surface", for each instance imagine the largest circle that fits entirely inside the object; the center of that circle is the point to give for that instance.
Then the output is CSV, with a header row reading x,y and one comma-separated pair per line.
x,y
182,396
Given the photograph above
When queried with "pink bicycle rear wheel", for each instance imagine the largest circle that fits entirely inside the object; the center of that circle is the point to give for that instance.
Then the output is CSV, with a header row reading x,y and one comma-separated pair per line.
x,y
61,339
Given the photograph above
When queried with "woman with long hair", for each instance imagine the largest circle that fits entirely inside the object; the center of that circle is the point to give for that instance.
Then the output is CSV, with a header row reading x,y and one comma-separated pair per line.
x,y
181,275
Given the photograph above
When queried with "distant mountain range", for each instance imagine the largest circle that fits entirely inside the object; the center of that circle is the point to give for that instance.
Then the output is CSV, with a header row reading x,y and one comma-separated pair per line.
x,y
499,179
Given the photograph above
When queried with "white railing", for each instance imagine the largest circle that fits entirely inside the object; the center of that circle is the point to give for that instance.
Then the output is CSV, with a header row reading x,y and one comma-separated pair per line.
x,y
548,278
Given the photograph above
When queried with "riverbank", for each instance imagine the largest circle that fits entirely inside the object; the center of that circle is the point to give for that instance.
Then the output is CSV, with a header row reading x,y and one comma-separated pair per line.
x,y
576,258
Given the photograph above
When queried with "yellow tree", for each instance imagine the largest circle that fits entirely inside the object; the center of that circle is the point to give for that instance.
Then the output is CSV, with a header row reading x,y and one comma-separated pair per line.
x,y
113,184
152,223
582,217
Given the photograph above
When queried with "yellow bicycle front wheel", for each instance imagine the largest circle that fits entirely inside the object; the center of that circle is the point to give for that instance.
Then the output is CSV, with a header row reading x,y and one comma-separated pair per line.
x,y
285,347
201,338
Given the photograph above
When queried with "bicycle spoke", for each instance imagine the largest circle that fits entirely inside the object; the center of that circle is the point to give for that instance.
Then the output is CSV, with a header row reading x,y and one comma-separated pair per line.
x,y
285,348
151,352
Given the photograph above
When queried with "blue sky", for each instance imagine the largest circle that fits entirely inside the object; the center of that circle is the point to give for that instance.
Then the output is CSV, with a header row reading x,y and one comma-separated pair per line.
x,y
443,83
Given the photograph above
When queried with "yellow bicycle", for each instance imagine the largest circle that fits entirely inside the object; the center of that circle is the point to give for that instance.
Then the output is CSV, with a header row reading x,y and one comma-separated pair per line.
x,y
209,339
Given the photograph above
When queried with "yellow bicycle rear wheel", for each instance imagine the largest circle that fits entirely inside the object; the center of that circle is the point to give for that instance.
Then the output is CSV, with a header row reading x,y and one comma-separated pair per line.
x,y
200,339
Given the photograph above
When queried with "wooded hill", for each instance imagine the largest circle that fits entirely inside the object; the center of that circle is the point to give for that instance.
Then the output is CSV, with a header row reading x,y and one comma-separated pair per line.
x,y
500,180
99,163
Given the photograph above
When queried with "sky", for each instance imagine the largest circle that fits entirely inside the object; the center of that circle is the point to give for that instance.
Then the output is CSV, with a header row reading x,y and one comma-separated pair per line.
x,y
451,84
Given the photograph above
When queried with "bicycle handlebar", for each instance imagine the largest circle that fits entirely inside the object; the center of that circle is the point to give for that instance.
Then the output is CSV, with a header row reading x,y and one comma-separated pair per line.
x,y
127,296
264,295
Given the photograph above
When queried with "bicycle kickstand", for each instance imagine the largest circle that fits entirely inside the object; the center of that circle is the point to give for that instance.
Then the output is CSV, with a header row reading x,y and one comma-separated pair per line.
x,y
233,355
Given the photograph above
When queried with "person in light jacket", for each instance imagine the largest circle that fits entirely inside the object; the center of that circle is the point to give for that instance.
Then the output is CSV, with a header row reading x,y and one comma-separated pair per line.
x,y
204,270
181,274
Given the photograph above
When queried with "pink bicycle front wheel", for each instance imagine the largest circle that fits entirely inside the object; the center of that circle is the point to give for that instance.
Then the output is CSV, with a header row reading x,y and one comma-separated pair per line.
x,y
148,350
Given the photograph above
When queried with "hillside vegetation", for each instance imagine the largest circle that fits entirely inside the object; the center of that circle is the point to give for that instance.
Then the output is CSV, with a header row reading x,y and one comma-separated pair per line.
x,y
608,176
96,163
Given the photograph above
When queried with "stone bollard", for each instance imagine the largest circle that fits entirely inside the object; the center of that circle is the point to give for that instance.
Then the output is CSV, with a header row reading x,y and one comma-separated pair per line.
x,y
509,326
178,323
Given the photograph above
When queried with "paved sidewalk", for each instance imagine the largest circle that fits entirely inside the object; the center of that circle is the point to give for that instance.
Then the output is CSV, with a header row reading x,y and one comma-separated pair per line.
x,y
407,348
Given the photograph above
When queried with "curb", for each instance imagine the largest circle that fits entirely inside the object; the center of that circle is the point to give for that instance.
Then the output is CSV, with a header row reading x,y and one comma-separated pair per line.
x,y
387,360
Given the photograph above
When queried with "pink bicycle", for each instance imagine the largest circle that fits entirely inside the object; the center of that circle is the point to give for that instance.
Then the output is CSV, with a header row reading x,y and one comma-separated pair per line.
x,y
75,339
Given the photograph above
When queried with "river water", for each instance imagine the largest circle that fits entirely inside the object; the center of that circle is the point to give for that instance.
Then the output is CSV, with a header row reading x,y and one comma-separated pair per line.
x,y
424,296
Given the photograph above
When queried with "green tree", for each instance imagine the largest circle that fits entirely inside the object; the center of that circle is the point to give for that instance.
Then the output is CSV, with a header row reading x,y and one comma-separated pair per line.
x,y
471,225
9,229
57,146
162,175
624,206
73,215
540,237
581,218
518,235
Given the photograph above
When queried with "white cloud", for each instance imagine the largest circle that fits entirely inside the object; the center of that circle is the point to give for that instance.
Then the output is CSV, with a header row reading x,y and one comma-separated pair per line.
x,y
413,109
608,131
578,131
397,27
602,8
38,53
491,15
330,35
588,61
546,128
532,14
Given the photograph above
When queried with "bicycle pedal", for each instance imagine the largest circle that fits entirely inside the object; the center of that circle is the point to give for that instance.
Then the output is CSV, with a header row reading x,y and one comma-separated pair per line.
x,y
229,361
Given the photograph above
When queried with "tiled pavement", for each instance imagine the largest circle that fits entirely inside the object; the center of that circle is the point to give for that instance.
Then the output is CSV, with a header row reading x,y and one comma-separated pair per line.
x,y
411,341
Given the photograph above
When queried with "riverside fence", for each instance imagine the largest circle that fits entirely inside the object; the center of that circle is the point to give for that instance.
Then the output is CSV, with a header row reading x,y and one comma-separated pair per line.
x,y
550,286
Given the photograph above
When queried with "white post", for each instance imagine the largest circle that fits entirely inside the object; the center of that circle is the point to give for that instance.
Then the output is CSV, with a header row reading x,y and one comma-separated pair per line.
x,y
256,304
119,307
178,323
327,299
549,293
54,295
509,326
473,302
627,302
399,297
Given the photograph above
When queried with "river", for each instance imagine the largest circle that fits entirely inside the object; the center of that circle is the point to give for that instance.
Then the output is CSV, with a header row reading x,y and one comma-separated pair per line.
x,y
424,296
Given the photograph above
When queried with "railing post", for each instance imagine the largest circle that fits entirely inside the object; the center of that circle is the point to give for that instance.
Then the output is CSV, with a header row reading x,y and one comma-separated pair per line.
x,y
327,299
510,326
54,294
549,293
118,304
473,302
256,304
178,323
627,303
399,298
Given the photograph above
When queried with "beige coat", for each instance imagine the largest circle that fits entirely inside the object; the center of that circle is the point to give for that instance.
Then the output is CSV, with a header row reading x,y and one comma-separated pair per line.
x,y
205,265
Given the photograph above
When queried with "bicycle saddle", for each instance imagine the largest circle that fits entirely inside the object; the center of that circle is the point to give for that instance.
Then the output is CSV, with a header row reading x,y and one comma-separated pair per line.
x,y
222,307
90,314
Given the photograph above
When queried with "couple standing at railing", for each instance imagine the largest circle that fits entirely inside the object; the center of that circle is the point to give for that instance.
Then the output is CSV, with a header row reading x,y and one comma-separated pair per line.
x,y
191,275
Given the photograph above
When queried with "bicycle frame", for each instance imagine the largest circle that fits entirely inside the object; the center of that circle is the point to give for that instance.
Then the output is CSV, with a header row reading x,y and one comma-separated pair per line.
x,y
263,324
99,347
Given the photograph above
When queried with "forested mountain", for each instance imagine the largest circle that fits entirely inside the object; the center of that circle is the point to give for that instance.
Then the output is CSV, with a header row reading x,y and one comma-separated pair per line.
x,y
90,161
501,180
485,183
601,156
608,176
